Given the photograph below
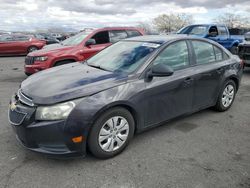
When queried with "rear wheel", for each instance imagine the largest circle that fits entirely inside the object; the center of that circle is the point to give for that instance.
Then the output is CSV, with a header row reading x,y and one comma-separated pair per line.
x,y
111,133
226,96
32,49
59,63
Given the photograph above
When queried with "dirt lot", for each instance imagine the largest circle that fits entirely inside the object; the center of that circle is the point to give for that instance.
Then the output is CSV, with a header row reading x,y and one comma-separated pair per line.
x,y
205,150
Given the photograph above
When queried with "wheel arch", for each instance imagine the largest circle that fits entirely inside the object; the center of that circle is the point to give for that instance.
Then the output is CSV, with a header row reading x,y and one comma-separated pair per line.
x,y
236,81
62,60
124,105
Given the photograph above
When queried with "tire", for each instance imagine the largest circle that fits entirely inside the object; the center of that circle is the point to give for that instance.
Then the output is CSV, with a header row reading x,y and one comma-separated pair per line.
x,y
234,50
226,99
32,49
104,139
28,74
59,63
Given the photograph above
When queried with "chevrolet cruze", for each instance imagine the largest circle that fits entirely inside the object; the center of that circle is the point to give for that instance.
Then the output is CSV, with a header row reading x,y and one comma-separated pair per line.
x,y
133,85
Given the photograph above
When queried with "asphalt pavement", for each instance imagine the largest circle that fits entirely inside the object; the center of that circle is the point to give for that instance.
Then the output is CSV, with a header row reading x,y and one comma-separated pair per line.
x,y
205,150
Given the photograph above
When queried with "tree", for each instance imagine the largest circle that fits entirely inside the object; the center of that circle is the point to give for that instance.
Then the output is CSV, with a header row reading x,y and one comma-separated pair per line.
x,y
172,22
232,20
147,27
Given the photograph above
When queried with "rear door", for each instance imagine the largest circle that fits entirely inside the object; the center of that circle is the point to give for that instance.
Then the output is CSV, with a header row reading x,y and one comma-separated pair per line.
x,y
102,41
22,43
208,73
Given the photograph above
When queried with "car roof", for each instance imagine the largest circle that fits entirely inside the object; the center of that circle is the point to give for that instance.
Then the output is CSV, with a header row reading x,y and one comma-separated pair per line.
x,y
160,39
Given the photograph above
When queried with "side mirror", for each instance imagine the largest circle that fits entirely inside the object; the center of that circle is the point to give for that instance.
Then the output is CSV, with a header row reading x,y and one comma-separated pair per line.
x,y
90,42
160,70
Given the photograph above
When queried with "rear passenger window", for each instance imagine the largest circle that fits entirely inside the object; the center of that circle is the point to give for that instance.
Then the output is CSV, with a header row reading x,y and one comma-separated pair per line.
x,y
22,38
133,33
101,37
204,52
175,56
218,54
117,35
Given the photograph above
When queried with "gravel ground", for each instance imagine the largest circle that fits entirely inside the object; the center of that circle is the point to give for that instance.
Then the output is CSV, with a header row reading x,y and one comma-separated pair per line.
x,y
205,150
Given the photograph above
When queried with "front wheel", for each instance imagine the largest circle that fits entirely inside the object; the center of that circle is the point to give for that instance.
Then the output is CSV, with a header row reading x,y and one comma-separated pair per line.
x,y
226,96
32,49
111,133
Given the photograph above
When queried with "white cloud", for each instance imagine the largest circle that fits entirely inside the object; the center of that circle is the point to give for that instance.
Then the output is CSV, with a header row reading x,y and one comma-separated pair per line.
x,y
36,14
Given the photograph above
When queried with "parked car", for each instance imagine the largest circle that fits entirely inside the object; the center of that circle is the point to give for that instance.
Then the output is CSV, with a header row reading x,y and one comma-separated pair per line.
x,y
49,39
77,48
244,50
19,44
218,33
131,86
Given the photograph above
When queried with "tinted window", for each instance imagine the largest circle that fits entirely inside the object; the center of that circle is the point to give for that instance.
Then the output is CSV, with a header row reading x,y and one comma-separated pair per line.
x,y
6,38
204,52
117,35
133,33
218,54
101,37
21,38
175,55
222,30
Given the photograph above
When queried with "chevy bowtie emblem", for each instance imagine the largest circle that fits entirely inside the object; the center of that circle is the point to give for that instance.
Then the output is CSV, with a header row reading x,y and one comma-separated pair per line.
x,y
12,106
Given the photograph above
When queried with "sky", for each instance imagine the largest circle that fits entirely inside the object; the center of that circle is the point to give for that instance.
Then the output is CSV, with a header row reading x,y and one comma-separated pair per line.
x,y
31,15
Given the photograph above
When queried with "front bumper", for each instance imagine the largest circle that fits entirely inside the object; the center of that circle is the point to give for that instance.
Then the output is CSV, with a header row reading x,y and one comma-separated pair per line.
x,y
31,69
47,137
32,66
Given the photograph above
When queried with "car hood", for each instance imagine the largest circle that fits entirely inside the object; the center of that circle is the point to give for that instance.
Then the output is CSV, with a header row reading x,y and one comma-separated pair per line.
x,y
52,48
68,82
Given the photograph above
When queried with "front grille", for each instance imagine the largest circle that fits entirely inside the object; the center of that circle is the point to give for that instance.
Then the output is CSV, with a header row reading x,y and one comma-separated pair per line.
x,y
247,49
24,99
16,117
29,60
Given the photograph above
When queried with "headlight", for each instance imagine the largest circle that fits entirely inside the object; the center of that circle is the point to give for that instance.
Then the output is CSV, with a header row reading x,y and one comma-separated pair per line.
x,y
41,58
56,112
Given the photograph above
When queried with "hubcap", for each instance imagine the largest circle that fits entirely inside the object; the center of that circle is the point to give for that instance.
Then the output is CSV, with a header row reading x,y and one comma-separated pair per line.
x,y
113,134
32,49
227,96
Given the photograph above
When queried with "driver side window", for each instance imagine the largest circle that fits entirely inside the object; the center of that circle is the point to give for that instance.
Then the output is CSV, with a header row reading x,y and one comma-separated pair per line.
x,y
101,37
175,56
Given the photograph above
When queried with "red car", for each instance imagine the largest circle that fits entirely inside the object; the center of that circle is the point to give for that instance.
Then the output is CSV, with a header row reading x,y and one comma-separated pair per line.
x,y
19,44
77,48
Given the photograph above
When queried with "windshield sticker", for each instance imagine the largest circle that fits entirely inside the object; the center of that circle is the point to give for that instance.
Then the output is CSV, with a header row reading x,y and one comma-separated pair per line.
x,y
150,45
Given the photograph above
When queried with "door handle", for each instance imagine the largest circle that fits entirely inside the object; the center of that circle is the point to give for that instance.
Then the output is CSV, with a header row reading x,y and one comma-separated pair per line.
x,y
219,70
188,80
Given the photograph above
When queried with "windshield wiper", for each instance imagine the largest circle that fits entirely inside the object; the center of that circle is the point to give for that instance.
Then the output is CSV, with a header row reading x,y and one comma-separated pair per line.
x,y
97,67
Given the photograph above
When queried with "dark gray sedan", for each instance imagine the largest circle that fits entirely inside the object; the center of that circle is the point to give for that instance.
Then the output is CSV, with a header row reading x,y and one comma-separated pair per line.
x,y
131,86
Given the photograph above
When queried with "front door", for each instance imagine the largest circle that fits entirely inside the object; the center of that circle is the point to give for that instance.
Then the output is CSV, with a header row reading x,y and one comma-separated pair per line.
x,y
168,97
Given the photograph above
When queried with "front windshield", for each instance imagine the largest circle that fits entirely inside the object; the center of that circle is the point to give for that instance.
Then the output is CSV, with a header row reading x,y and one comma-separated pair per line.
x,y
194,30
123,56
75,40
